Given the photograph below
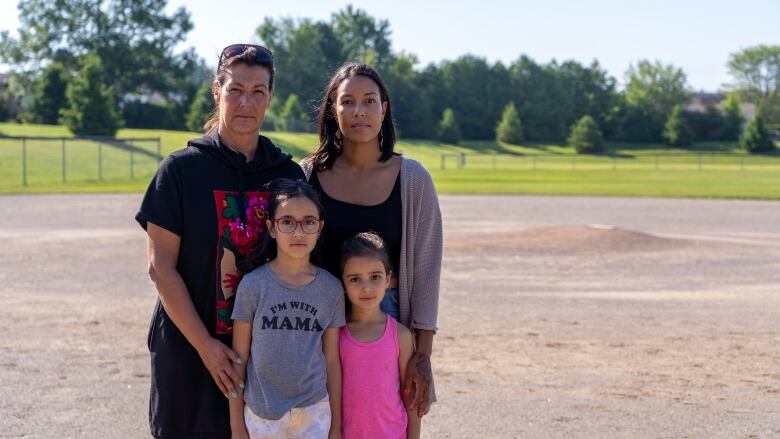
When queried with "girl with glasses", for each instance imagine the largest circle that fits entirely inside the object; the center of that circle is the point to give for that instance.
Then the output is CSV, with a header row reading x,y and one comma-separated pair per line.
x,y
286,322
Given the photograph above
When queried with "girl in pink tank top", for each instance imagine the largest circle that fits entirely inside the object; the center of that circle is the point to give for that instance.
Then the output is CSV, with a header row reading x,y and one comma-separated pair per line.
x,y
374,348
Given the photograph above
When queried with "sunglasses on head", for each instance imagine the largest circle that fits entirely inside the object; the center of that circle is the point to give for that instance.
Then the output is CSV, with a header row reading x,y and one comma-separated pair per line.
x,y
261,53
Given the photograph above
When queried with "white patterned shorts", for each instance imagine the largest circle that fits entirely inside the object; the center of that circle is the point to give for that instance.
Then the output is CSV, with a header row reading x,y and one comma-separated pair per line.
x,y
299,423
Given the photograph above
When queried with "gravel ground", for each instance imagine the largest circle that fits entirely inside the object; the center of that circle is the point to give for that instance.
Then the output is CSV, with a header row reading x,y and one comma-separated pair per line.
x,y
559,317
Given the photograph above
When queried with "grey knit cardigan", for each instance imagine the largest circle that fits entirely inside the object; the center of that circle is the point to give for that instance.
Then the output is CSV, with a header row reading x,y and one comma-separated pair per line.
x,y
421,245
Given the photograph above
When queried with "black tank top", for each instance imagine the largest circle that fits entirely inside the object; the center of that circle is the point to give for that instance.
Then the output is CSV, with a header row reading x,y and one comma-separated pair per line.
x,y
344,220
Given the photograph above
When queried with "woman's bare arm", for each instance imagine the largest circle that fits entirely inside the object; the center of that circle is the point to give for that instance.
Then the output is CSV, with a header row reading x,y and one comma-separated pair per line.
x,y
163,252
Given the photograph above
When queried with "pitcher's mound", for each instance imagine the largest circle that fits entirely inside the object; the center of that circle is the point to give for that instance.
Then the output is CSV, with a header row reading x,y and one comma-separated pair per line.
x,y
565,239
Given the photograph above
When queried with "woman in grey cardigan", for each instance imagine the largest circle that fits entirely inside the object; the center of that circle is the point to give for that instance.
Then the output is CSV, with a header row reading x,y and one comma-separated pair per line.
x,y
366,186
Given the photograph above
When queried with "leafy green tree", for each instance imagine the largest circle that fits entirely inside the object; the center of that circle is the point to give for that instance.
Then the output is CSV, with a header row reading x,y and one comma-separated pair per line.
x,y
201,108
509,129
732,118
756,73
7,105
10,108
536,90
449,132
49,95
306,51
586,136
363,38
91,104
676,132
134,40
292,117
756,138
706,125
272,120
549,98
552,97
652,91
411,104
472,89
585,90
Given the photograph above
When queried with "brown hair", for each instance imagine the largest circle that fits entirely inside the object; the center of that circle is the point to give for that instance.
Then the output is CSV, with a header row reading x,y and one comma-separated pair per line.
x,y
366,244
249,58
326,153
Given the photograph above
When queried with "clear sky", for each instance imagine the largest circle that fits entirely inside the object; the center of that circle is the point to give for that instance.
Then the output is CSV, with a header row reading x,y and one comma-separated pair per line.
x,y
696,35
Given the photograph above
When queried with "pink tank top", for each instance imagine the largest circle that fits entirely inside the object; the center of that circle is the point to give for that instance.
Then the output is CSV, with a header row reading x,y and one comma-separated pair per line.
x,y
371,386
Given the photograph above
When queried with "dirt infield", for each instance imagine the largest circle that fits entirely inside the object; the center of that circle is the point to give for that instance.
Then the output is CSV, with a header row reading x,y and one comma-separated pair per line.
x,y
559,317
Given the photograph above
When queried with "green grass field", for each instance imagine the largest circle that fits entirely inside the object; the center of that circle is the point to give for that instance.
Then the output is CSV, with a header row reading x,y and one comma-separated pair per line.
x,y
711,170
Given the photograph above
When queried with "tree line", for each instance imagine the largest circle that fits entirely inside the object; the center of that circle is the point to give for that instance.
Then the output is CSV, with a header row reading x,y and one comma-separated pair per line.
x,y
68,51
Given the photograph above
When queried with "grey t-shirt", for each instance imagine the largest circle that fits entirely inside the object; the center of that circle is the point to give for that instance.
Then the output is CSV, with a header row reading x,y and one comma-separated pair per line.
x,y
286,366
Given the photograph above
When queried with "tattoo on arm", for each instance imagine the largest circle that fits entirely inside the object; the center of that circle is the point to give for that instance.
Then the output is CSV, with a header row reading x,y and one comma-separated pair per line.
x,y
423,366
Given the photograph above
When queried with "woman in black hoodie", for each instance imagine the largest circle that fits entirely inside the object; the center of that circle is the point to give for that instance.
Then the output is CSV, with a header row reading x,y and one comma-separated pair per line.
x,y
203,212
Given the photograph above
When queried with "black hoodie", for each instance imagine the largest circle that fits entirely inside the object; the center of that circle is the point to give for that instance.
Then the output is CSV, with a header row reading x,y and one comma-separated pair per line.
x,y
213,199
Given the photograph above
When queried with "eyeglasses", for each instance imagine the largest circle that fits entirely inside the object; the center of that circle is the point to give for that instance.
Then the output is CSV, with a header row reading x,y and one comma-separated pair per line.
x,y
261,53
309,225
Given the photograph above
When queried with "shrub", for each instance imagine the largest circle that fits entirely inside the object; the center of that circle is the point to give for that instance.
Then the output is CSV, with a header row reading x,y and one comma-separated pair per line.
x,y
509,129
676,132
90,108
756,138
293,118
448,128
585,136
201,108
49,95
732,118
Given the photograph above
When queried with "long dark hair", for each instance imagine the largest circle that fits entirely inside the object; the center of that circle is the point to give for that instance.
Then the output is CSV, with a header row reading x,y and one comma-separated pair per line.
x,y
250,58
282,189
326,153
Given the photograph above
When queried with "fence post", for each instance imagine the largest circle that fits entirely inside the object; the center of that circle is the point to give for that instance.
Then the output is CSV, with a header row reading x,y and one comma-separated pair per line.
x,y
24,162
100,161
462,161
132,163
64,163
